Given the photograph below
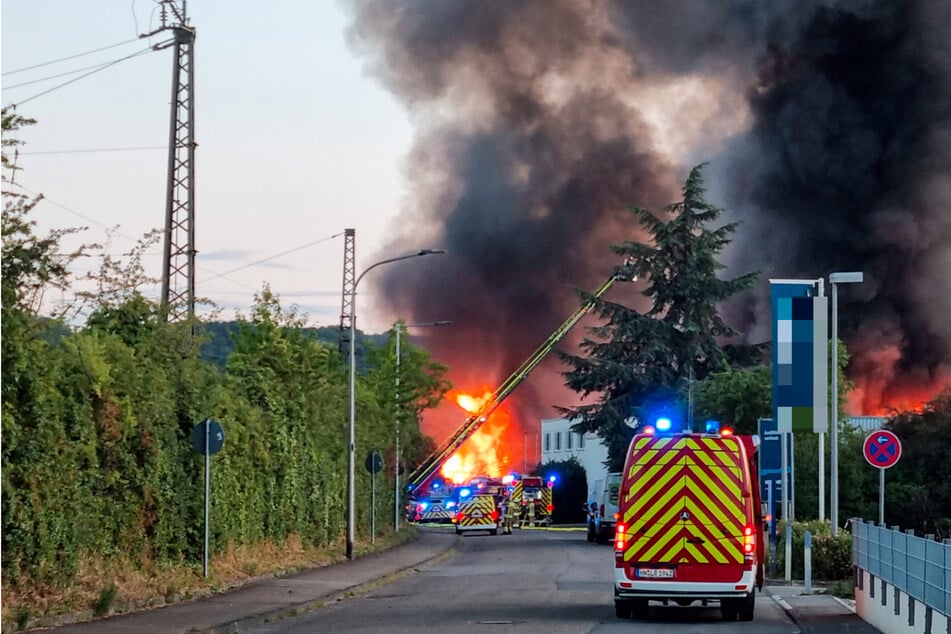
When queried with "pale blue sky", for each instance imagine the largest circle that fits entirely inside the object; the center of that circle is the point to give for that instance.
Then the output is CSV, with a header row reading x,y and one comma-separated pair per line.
x,y
296,142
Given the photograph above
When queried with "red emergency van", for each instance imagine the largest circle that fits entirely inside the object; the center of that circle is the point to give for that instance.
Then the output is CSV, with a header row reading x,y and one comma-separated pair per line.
x,y
690,524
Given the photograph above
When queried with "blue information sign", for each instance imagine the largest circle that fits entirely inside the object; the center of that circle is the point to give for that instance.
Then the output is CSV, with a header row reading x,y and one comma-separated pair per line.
x,y
771,461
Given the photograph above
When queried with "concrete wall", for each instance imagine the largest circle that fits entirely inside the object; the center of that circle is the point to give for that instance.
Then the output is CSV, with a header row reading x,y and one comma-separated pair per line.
x,y
892,611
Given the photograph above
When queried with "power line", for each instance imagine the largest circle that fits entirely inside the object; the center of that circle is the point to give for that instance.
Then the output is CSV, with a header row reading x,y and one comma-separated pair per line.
x,y
215,276
273,257
103,149
63,59
63,74
66,83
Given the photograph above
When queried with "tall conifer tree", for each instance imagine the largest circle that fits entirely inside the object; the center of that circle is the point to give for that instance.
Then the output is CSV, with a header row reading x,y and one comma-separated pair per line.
x,y
642,365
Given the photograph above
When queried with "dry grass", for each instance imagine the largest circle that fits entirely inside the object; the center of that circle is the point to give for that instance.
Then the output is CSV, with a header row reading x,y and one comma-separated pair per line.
x,y
142,583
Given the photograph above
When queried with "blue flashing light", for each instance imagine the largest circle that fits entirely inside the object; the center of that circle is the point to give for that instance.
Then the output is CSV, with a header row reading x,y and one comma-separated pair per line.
x,y
712,426
436,485
409,487
450,504
663,424
552,478
423,506
464,493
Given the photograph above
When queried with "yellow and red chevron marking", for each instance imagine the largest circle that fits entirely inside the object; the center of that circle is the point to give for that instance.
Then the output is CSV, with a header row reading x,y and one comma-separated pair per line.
x,y
696,477
483,505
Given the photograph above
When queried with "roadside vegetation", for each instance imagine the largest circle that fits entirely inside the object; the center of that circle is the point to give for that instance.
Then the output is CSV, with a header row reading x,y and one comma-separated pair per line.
x,y
103,493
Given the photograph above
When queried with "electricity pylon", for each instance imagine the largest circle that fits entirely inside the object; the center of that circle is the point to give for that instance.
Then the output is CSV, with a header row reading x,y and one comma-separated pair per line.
x,y
349,281
178,276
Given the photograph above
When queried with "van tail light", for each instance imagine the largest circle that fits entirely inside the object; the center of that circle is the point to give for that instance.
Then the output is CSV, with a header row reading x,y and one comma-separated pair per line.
x,y
619,537
460,516
550,507
749,541
494,515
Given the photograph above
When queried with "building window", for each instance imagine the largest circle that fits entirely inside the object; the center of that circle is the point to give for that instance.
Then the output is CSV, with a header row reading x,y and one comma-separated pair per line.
x,y
581,440
547,442
569,438
558,441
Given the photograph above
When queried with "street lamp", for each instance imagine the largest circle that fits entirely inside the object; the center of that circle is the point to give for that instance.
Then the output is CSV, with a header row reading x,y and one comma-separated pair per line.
x,y
351,477
396,466
851,277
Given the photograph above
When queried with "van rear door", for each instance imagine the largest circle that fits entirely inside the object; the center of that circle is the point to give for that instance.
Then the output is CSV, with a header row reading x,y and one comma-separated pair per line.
x,y
683,506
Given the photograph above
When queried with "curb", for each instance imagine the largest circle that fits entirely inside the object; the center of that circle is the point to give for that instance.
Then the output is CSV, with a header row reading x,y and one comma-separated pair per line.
x,y
845,604
239,625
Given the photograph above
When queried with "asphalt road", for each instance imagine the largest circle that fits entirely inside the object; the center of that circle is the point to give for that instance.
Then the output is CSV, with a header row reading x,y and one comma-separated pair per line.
x,y
533,581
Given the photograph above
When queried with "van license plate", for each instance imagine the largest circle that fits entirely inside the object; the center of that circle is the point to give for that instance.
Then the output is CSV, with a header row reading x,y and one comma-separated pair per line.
x,y
476,514
655,573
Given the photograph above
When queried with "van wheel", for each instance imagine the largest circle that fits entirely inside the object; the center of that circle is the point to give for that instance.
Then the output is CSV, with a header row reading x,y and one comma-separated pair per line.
x,y
458,532
747,606
601,537
622,609
728,609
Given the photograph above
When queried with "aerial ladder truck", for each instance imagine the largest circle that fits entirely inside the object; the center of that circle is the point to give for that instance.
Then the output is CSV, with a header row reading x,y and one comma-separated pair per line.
x,y
420,479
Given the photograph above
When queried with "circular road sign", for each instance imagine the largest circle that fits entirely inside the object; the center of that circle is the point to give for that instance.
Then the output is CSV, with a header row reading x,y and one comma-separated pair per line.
x,y
374,462
214,433
882,449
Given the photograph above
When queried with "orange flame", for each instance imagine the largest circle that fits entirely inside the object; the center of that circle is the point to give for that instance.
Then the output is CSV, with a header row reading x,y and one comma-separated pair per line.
x,y
486,451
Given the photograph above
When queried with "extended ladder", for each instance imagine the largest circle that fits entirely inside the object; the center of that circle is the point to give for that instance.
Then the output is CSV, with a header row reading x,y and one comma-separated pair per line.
x,y
425,472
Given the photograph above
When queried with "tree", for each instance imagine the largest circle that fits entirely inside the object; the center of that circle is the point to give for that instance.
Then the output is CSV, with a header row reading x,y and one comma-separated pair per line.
x,y
422,386
569,490
737,398
642,365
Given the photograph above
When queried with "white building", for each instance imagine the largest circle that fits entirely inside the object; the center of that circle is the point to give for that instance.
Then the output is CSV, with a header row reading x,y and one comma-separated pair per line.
x,y
559,443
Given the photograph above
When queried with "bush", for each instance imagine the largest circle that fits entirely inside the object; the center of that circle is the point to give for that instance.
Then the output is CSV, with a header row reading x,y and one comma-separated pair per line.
x,y
831,554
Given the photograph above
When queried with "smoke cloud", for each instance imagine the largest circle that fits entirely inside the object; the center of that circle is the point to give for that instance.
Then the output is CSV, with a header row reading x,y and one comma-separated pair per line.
x,y
827,126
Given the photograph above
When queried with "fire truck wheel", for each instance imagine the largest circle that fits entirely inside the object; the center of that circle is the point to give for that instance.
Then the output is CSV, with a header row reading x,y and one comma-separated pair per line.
x,y
458,532
728,609
747,606
622,609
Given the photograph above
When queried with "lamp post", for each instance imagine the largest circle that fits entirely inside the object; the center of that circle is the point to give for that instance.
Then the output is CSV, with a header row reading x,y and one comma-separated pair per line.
x,y
396,466
351,477
851,277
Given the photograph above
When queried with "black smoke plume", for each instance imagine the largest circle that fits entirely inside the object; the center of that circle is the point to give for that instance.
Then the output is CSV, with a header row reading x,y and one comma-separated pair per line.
x,y
540,122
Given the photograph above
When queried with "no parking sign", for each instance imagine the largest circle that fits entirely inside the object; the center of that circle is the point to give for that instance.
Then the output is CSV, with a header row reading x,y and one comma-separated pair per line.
x,y
882,449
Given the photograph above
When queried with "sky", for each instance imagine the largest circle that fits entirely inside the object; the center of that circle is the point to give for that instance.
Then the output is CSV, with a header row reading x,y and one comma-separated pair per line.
x,y
516,136
295,143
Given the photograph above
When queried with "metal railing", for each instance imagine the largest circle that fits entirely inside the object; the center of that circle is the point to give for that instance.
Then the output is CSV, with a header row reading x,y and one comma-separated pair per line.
x,y
918,566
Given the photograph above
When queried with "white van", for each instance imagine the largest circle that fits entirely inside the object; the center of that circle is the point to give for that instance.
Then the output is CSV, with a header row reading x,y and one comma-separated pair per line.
x,y
606,498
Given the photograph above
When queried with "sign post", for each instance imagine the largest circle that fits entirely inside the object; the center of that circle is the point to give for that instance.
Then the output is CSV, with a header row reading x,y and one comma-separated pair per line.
x,y
207,438
882,449
374,465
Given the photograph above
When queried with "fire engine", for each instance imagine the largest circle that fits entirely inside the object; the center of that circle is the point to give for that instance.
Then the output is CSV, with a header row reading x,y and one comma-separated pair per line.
x,y
690,523
421,477
531,502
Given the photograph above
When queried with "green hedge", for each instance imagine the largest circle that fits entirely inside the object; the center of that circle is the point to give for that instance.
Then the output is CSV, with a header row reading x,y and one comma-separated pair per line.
x,y
97,455
831,554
